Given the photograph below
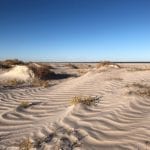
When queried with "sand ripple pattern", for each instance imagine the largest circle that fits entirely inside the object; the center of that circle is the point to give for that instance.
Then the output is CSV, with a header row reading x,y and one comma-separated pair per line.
x,y
119,122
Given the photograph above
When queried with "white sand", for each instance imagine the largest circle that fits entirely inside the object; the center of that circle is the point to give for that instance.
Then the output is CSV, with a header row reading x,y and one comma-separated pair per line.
x,y
119,122
18,73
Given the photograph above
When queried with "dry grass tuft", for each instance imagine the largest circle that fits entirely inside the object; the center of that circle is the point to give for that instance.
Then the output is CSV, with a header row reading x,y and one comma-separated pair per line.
x,y
39,83
24,104
72,66
82,71
145,92
106,63
42,72
138,69
26,145
86,100
48,66
4,66
141,89
11,62
14,82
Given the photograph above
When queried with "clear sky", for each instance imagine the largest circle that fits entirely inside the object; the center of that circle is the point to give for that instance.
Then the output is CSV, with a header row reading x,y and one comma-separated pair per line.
x,y
75,30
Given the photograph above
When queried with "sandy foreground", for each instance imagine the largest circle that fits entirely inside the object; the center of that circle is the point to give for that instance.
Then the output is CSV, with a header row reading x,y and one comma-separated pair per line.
x,y
119,121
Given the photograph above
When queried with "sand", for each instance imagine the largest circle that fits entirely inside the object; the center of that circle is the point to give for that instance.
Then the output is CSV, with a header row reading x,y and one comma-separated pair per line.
x,y
120,121
22,73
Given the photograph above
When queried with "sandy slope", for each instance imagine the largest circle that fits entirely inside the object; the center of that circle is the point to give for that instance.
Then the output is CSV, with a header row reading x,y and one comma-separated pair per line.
x,y
119,122
17,72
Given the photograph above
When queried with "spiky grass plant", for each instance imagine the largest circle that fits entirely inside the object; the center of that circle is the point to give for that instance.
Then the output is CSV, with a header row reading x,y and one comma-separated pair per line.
x,y
14,82
40,83
26,144
72,66
141,89
106,63
86,100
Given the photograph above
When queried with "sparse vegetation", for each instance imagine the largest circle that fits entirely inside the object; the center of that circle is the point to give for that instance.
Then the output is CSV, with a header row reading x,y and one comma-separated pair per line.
x,y
82,71
42,72
46,65
26,144
63,140
138,69
106,63
86,100
138,85
141,89
39,83
72,66
14,82
4,66
24,104
11,62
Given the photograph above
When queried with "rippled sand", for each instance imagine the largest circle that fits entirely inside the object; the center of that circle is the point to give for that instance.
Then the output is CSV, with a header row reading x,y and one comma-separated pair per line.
x,y
120,121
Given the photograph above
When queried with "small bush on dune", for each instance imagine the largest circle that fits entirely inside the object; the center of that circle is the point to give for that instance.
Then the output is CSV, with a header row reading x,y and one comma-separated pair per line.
x,y
4,66
137,69
39,83
10,62
42,72
13,62
14,82
26,145
82,71
86,100
72,66
24,104
145,92
106,63
142,89
46,66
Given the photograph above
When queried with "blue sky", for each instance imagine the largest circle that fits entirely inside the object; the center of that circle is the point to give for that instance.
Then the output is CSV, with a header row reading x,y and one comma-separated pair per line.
x,y
75,30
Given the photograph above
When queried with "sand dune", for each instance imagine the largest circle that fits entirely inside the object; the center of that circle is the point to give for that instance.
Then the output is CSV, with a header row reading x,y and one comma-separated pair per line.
x,y
119,121
18,72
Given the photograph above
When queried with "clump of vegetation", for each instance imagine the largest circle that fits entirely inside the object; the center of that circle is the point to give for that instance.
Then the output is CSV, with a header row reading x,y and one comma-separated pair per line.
x,y
72,66
86,100
42,72
65,139
144,92
26,144
106,63
14,82
142,89
39,142
137,69
39,83
82,71
9,63
24,104
60,138
4,66
46,65
138,85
